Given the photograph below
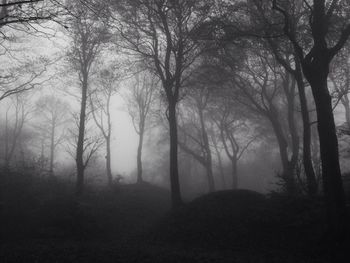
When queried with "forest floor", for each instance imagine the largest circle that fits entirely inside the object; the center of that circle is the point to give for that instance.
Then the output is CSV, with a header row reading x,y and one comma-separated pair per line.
x,y
42,221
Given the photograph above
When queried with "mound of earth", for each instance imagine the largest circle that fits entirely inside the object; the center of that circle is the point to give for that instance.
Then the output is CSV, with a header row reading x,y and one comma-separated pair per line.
x,y
214,218
240,218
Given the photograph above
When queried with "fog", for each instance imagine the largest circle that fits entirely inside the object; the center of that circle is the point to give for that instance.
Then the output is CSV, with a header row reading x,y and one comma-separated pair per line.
x,y
174,131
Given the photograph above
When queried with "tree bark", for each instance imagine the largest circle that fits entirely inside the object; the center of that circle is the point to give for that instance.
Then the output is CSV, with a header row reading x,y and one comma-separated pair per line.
x,y
174,172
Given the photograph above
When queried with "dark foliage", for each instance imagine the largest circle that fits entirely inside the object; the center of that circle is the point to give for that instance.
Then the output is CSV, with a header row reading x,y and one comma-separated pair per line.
x,y
43,221
48,208
278,226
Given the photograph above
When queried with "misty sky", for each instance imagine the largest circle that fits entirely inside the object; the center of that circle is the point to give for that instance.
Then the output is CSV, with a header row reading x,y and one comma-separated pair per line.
x,y
124,138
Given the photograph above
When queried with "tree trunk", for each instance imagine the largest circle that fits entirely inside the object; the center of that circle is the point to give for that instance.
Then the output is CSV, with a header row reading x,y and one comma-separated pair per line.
x,y
288,169
221,168
139,157
209,168
292,127
234,174
108,160
81,136
6,159
174,172
307,159
210,177
52,148
208,157
316,73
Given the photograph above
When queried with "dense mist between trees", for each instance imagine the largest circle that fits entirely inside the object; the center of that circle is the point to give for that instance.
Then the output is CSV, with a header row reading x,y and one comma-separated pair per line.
x,y
174,131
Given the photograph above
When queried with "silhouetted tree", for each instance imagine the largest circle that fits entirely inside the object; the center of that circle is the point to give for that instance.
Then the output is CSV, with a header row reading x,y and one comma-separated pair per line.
x,y
160,33
21,111
194,138
285,55
253,22
231,128
139,102
100,102
262,86
93,141
215,138
328,29
87,34
53,113
340,77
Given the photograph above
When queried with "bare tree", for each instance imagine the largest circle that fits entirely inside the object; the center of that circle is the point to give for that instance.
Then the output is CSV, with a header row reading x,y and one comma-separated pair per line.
x,y
160,33
340,78
27,12
100,102
235,134
53,113
139,102
24,77
13,132
87,35
328,37
262,87
215,139
263,28
24,16
92,143
194,138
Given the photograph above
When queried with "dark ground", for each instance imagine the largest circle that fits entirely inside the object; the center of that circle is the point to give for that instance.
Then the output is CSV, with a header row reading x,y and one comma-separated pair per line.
x,y
42,221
